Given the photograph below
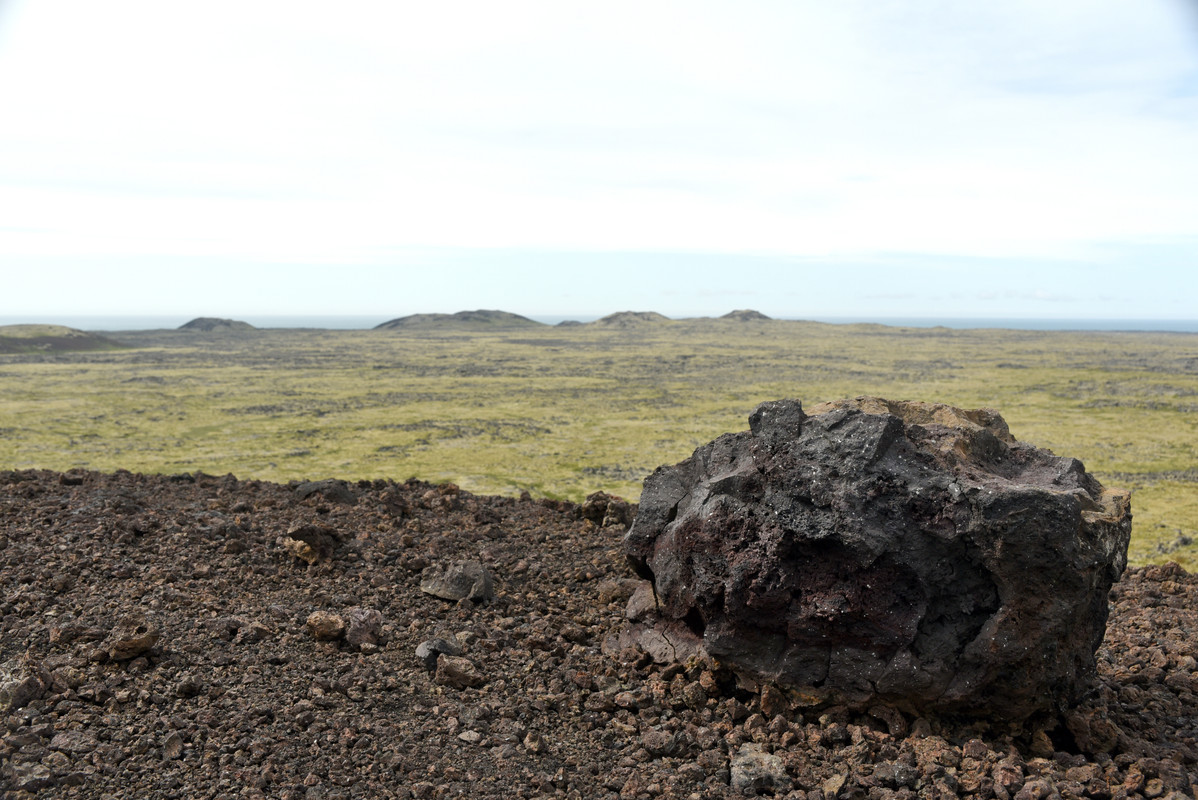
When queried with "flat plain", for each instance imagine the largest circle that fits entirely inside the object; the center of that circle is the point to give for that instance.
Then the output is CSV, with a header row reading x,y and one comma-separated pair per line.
x,y
562,411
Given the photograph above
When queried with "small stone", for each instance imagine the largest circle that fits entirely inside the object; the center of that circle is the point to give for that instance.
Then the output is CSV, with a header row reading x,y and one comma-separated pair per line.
x,y
31,777
331,489
1008,775
325,626
74,742
1041,745
974,748
428,650
172,748
634,786
896,723
458,672
598,701
755,771
535,742
463,580
833,785
626,700
607,510
1035,789
694,695
251,630
57,761
18,689
362,626
66,677
659,742
132,637
311,543
505,751
690,772
773,701
616,591
470,737
188,686
1092,730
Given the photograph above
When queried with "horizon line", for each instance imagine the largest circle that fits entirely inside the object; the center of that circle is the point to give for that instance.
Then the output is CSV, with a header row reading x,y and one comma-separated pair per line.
x,y
304,320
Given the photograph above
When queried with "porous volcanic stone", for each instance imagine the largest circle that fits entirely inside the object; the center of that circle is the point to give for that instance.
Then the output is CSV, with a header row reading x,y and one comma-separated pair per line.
x,y
461,580
326,626
133,636
867,550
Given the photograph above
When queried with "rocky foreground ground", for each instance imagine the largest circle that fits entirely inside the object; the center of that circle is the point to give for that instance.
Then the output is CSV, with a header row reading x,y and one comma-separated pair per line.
x,y
168,637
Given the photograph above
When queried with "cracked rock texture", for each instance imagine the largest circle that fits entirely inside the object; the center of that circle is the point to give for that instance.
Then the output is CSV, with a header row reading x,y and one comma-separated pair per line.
x,y
870,551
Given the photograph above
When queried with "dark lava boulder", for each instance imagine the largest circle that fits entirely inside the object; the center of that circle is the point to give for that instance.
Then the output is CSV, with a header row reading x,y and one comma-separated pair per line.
x,y
872,551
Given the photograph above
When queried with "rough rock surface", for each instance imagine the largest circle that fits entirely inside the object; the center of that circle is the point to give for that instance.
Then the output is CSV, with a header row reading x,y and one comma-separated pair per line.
x,y
874,551
336,491
326,626
607,510
308,542
236,699
463,580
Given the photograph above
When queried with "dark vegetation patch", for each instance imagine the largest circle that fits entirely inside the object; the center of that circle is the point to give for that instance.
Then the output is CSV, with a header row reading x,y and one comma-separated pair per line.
x,y
499,430
48,339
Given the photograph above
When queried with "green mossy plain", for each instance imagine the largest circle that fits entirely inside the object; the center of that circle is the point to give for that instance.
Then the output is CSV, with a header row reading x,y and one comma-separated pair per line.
x,y
564,411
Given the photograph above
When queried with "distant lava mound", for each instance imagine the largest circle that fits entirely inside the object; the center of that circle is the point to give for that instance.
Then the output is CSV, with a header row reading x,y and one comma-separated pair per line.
x,y
631,319
463,320
746,315
216,325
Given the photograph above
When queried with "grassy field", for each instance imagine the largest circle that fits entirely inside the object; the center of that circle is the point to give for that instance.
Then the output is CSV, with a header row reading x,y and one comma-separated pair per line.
x,y
563,411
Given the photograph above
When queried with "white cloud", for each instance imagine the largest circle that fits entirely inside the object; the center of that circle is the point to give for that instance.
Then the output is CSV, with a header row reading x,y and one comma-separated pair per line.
x,y
295,132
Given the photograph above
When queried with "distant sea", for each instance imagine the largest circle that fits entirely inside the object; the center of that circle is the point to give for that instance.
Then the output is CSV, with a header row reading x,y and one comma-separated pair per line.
x,y
359,322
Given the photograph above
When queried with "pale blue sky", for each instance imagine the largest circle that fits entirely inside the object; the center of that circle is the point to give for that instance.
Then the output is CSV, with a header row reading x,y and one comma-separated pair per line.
x,y
853,158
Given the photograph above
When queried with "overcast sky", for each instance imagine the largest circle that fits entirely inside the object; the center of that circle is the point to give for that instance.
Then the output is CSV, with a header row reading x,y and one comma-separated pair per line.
x,y
834,158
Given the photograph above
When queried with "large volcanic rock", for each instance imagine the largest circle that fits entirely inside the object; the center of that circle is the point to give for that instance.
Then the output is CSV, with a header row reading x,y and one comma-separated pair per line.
x,y
874,551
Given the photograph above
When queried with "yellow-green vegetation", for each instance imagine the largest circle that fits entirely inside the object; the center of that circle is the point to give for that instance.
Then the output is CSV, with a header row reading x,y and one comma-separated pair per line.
x,y
563,411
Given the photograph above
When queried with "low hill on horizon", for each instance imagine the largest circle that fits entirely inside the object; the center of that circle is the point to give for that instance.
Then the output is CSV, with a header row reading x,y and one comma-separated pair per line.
x,y
51,339
480,319
210,324
628,319
746,315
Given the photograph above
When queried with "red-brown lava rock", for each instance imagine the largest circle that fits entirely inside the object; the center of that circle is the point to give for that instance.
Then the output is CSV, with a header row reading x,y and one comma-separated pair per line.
x,y
236,698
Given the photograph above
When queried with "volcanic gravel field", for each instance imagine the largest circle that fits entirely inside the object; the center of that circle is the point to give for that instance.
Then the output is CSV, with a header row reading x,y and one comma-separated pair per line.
x,y
167,637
